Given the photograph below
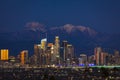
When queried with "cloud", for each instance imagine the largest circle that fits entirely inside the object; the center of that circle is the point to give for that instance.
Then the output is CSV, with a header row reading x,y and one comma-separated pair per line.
x,y
81,28
67,27
71,28
35,26
87,29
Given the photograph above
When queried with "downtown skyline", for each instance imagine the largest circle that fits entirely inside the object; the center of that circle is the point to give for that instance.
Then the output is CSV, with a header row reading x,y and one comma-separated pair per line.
x,y
59,39
52,54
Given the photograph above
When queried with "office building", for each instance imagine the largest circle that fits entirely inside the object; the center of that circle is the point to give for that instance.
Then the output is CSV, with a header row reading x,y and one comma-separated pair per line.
x,y
83,59
53,55
116,57
43,43
24,57
103,58
97,53
70,52
57,49
4,54
38,51
64,45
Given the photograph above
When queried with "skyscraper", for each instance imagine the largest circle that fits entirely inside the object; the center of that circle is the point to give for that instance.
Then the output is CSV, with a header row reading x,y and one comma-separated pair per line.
x,y
43,43
97,52
24,57
57,49
64,45
48,54
57,45
70,52
103,58
117,57
37,54
53,55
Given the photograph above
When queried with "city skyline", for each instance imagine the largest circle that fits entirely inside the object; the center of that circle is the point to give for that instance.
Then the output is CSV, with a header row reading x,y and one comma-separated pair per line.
x,y
52,54
59,40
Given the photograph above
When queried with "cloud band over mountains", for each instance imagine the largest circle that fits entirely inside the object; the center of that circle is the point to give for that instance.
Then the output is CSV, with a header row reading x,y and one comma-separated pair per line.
x,y
69,28
35,26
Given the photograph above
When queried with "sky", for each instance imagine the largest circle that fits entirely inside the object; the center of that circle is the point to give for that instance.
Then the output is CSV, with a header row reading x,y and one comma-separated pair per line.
x,y
101,15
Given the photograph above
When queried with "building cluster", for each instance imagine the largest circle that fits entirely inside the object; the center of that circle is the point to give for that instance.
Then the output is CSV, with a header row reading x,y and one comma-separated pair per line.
x,y
100,58
52,54
104,58
57,54
45,55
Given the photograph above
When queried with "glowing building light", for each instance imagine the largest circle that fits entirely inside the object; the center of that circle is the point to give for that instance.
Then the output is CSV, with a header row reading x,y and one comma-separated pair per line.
x,y
4,53
43,43
24,57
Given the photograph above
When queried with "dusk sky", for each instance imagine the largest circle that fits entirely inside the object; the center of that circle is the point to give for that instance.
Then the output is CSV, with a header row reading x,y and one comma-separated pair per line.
x,y
101,15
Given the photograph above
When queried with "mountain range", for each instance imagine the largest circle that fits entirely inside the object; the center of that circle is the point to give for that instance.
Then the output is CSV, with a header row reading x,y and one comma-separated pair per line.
x,y
84,39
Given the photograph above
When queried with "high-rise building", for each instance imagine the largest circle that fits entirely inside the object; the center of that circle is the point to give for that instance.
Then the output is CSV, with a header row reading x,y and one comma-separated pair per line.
x,y
64,45
103,58
97,53
42,60
70,52
24,57
38,51
48,54
43,43
57,49
4,54
116,57
37,48
57,45
53,55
